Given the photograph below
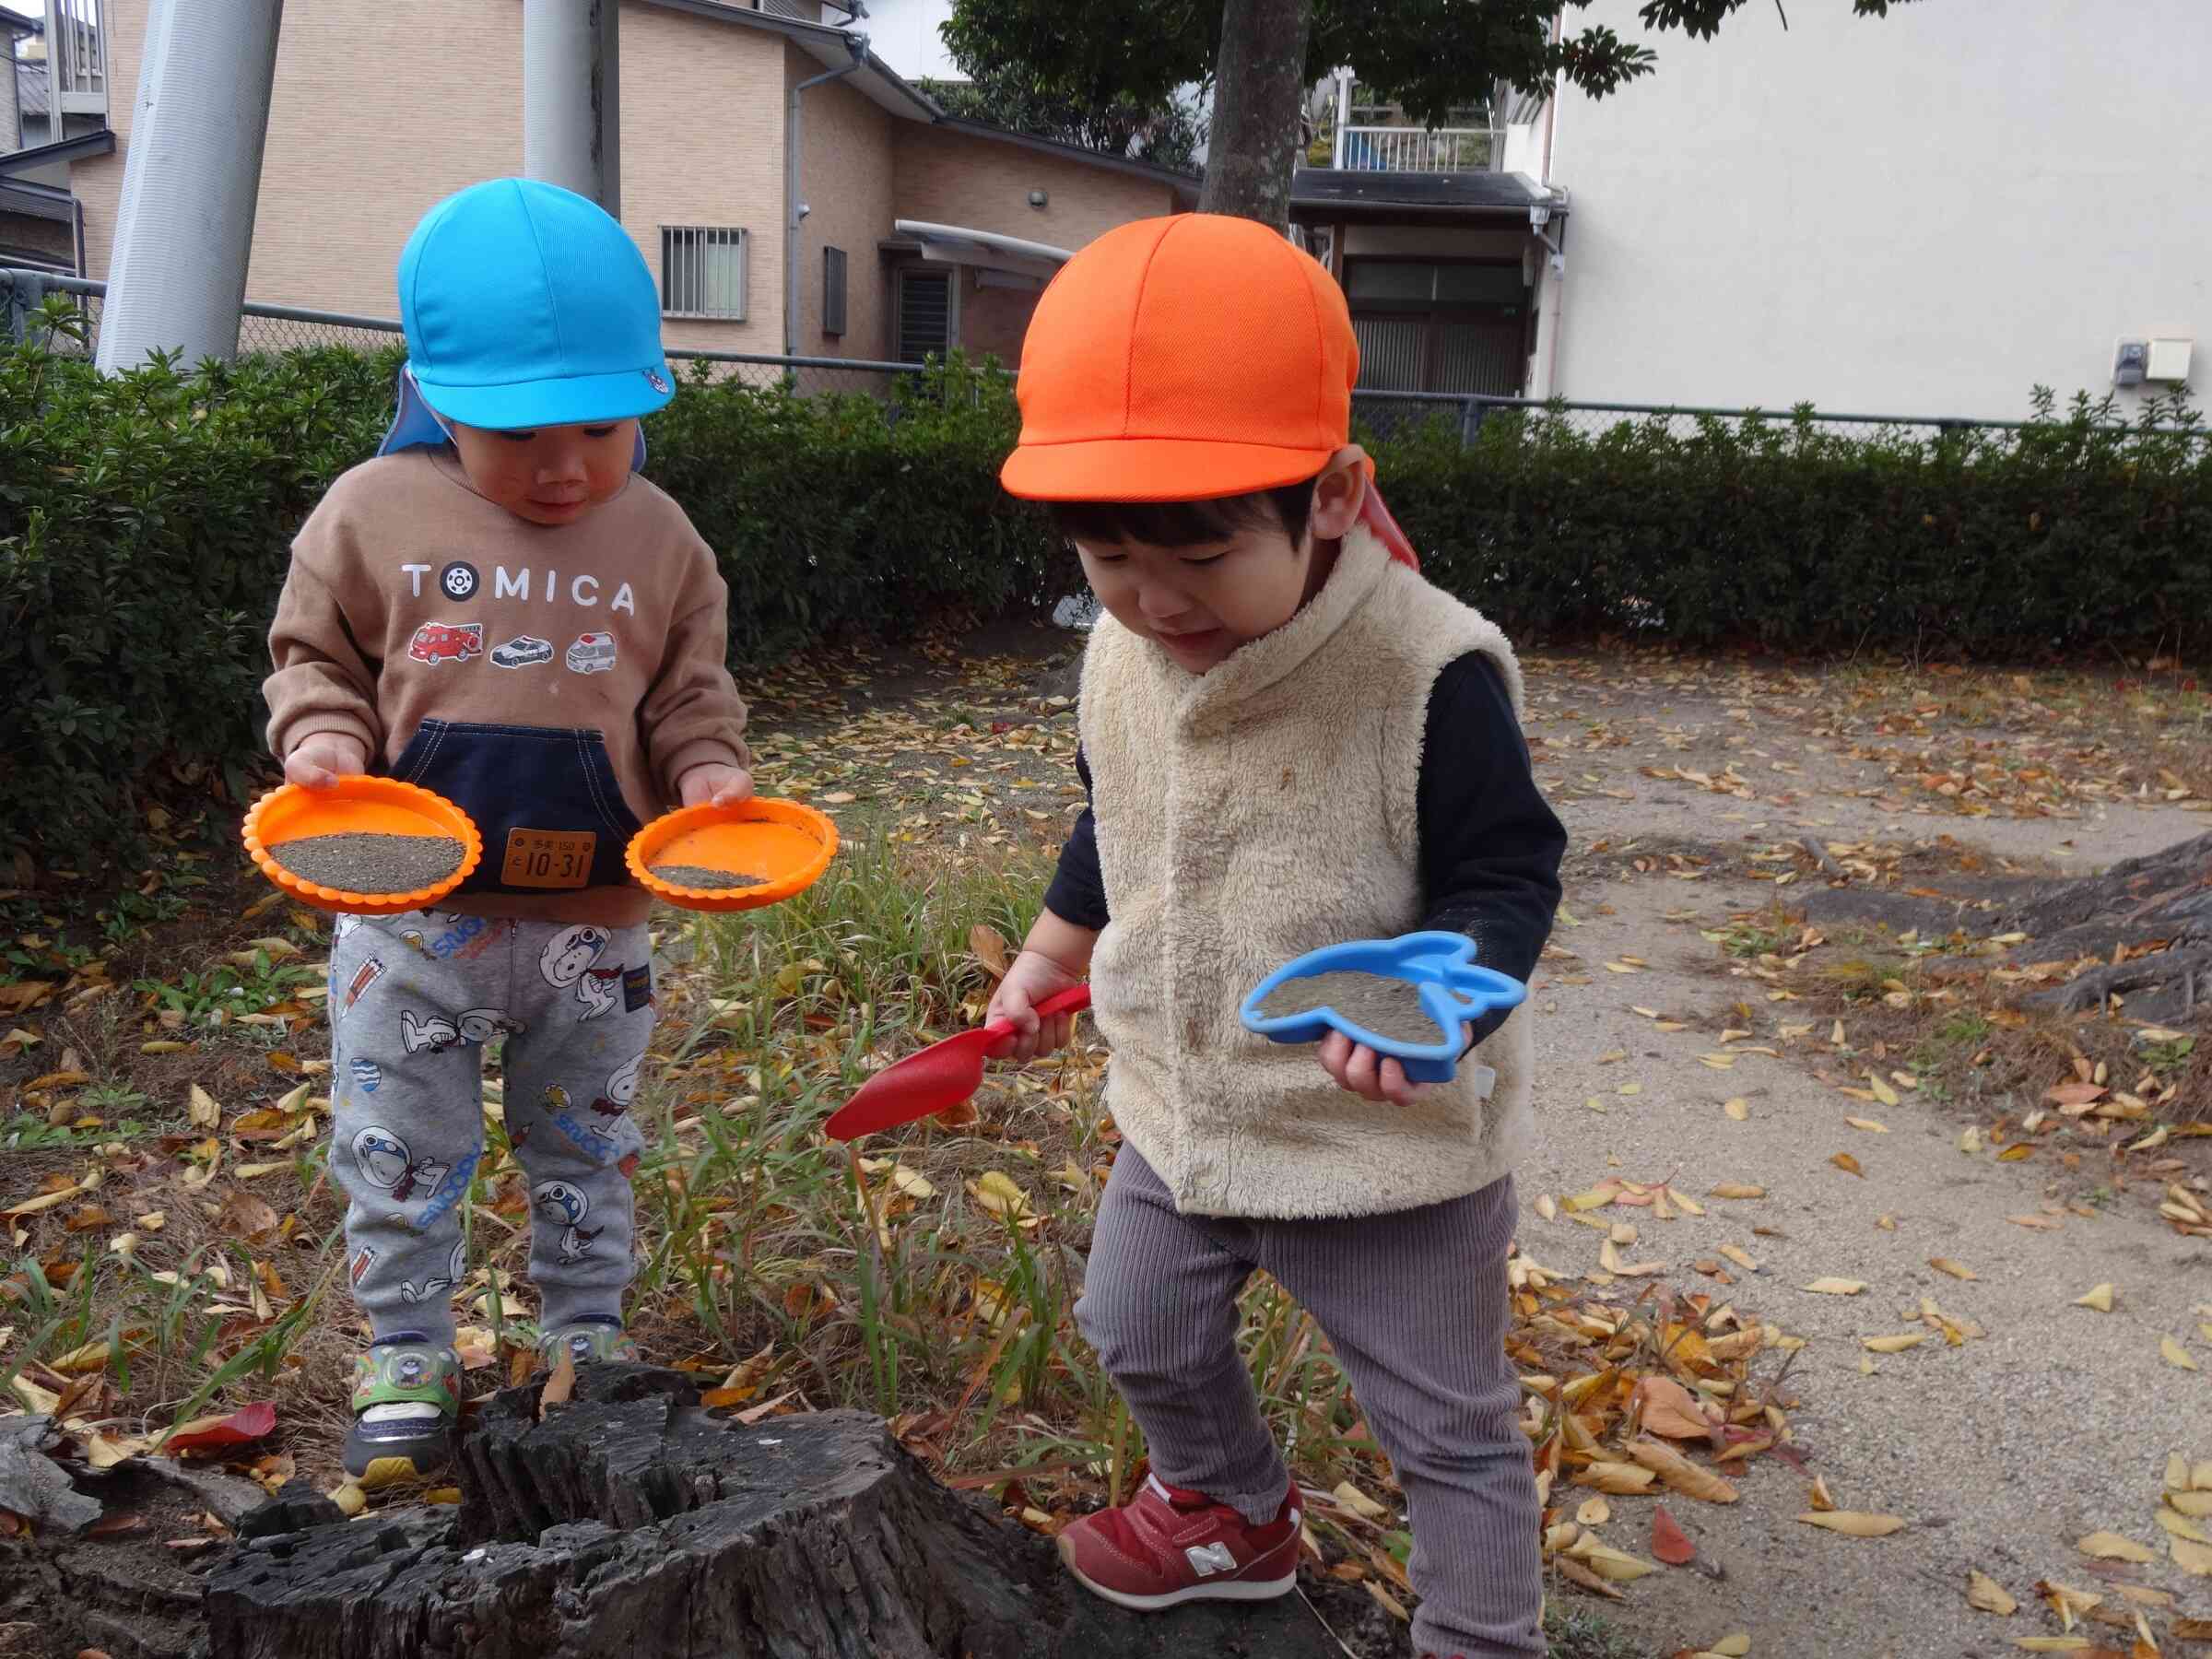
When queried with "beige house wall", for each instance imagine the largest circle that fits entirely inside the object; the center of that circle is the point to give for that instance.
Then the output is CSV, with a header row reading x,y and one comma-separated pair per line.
x,y
353,159
846,172
949,178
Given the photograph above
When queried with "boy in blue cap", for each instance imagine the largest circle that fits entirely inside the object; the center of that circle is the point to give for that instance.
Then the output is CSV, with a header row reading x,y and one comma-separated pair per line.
x,y
500,609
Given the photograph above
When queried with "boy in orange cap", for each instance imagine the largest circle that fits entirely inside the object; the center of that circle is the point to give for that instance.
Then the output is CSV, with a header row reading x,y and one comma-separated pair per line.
x,y
1290,740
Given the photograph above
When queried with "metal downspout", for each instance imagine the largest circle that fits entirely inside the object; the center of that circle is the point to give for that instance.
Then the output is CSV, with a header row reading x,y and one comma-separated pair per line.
x,y
795,210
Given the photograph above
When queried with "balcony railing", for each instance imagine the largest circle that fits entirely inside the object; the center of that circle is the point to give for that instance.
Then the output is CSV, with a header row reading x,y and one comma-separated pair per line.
x,y
1414,149
77,50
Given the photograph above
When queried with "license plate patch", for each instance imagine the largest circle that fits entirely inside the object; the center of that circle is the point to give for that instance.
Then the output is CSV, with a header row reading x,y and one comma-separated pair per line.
x,y
548,858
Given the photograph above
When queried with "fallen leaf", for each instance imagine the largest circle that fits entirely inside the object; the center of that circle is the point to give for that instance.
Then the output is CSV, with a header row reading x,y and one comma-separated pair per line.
x,y
1853,1523
1894,1345
1945,1265
560,1386
349,1499
1731,1647
997,1193
1986,1594
2099,1299
246,1216
1739,1109
1670,1409
1691,1479
1608,1562
1549,1207
1623,1480
1848,1164
2175,1355
1595,1511
1742,1258
2112,1547
1737,1189
2180,1526
2053,1644
1882,1092
1669,1542
385,1472
247,1424
1868,1123
1837,1287
2191,1558
203,1109
1359,1502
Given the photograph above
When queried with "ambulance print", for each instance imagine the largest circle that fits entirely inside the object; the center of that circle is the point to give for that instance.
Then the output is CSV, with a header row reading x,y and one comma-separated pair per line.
x,y
592,653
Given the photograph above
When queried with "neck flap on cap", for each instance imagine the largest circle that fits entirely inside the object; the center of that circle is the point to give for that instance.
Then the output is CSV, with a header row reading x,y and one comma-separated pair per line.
x,y
415,425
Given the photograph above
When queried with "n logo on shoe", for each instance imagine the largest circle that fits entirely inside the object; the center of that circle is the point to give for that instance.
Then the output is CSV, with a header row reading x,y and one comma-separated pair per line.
x,y
1210,1557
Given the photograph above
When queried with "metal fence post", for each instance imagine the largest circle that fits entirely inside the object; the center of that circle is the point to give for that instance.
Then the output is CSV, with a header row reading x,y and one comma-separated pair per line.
x,y
26,294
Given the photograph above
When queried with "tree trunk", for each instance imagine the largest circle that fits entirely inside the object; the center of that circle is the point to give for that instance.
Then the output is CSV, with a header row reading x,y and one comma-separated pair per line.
x,y
629,1522
1259,94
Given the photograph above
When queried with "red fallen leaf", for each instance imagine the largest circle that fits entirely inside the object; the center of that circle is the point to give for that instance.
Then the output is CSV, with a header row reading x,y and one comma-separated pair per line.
x,y
1669,1542
211,1434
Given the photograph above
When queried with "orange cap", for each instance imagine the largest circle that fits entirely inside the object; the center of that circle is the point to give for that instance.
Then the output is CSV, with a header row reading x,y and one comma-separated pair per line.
x,y
1181,360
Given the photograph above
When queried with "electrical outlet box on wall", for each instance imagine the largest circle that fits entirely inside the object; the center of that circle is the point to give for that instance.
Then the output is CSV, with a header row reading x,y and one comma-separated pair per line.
x,y
2168,361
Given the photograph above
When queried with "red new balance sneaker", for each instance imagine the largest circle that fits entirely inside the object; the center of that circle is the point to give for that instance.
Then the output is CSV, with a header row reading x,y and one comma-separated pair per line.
x,y
1170,1545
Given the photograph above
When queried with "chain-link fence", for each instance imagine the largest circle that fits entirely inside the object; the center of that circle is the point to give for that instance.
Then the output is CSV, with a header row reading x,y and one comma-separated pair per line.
x,y
279,328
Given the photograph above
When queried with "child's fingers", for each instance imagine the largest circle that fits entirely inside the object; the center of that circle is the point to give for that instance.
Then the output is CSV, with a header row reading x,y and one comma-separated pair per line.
x,y
1361,1073
1397,1089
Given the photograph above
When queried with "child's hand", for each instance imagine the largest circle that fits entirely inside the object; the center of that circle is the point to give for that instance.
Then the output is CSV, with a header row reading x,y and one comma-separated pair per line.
x,y
1363,1072
1031,980
321,759
715,784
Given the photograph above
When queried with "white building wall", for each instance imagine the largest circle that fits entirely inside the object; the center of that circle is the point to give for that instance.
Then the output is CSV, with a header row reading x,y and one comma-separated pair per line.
x,y
1929,213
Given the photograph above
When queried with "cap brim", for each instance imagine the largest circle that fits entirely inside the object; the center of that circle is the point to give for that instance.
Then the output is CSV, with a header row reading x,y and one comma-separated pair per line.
x,y
584,400
1154,469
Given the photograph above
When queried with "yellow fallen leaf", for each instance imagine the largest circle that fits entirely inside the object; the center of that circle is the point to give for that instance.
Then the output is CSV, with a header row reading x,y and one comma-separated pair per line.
x,y
1737,1189
997,1193
386,1472
2200,1477
1969,1140
2099,1299
2175,1355
2191,1557
2053,1644
2112,1547
1549,1207
1869,1125
2198,1505
1608,1562
1882,1092
1731,1647
1848,1164
1837,1287
1739,1109
2180,1526
203,1107
1894,1345
163,1046
2177,1472
1691,1479
1854,1523
1595,1511
1945,1265
1359,1502
1985,1593
1623,1480
1742,1258
349,1499
442,1495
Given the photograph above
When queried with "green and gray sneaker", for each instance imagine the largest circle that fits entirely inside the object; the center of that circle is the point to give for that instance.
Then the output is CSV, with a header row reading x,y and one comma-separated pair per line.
x,y
407,1396
586,1342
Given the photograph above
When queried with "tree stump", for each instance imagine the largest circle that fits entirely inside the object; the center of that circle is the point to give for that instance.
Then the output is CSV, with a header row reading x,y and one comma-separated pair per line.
x,y
631,1522
2159,906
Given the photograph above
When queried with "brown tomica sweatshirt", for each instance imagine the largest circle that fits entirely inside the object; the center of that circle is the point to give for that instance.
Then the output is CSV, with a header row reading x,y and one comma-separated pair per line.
x,y
554,682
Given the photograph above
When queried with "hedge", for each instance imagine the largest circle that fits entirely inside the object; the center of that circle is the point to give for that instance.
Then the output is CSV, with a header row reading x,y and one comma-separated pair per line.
x,y
144,523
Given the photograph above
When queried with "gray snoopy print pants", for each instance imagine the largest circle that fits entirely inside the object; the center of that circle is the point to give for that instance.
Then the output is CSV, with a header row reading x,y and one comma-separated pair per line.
x,y
414,998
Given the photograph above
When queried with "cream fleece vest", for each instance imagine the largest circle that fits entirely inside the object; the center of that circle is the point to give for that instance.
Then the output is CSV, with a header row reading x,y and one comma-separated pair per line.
x,y
1246,817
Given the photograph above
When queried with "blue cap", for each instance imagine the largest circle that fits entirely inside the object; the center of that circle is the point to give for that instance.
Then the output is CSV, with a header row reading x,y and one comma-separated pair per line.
x,y
526,305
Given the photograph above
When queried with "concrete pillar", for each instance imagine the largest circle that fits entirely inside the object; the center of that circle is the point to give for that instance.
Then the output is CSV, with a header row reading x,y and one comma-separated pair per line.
x,y
191,181
572,97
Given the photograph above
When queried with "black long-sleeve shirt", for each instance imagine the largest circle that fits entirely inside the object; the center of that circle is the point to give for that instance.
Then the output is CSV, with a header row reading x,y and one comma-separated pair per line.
x,y
1490,844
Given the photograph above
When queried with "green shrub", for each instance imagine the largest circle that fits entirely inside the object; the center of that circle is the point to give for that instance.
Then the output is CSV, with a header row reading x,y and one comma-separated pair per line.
x,y
145,522
2070,534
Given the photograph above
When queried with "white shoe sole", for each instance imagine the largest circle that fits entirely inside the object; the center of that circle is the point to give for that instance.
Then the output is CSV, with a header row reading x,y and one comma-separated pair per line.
x,y
1228,1590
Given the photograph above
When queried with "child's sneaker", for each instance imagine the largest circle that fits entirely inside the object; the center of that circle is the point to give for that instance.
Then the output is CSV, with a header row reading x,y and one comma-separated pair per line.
x,y
1170,1545
585,1342
406,1398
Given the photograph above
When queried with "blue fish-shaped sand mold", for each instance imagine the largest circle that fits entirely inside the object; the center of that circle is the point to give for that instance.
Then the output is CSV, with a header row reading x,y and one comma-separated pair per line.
x,y
1453,990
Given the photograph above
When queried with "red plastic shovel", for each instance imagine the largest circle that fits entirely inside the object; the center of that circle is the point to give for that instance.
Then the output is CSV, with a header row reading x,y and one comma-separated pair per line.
x,y
941,1075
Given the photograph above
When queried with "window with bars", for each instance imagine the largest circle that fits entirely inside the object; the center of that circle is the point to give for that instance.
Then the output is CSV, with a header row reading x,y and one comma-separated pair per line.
x,y
833,290
1440,325
703,271
926,301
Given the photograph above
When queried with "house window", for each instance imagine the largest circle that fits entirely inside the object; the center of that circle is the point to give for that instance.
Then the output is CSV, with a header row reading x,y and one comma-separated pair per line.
x,y
833,290
703,271
927,307
1438,325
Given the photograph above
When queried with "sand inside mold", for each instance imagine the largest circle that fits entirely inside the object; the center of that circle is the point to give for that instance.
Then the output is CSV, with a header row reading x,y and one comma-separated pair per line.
x,y
1380,1003
361,861
704,877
